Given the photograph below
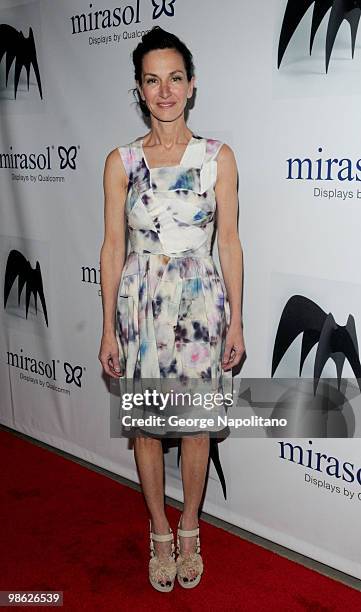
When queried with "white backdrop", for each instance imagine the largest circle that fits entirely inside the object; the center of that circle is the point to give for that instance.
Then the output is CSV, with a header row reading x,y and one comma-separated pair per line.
x,y
294,241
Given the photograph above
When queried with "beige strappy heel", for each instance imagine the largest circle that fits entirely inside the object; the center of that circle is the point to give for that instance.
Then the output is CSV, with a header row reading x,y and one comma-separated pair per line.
x,y
161,569
188,561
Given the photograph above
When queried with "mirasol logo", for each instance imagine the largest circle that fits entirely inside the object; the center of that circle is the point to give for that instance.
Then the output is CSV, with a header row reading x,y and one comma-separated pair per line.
x,y
320,169
26,363
91,276
66,158
118,16
320,462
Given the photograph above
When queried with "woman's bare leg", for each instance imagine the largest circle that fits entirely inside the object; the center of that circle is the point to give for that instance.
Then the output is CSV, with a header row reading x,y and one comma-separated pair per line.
x,y
148,454
194,462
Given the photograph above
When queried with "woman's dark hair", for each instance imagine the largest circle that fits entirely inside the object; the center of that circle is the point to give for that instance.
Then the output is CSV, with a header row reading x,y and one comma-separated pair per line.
x,y
157,38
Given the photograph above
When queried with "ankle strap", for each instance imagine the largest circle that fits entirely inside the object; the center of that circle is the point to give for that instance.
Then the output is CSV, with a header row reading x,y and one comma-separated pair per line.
x,y
162,538
184,533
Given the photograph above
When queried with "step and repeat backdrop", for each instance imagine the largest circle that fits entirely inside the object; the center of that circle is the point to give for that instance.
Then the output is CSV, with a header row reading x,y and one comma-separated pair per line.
x,y
280,82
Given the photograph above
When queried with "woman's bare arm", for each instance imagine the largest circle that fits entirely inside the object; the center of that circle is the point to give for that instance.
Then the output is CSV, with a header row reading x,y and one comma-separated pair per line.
x,y
229,247
112,255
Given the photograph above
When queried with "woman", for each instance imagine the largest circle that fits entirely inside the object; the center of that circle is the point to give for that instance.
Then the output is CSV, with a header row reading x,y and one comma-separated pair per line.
x,y
174,317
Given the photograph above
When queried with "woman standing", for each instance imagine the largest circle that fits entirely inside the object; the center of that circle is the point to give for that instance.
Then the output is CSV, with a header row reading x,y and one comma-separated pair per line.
x,y
167,313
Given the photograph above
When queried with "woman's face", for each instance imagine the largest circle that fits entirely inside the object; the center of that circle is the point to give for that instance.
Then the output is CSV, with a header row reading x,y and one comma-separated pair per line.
x,y
165,87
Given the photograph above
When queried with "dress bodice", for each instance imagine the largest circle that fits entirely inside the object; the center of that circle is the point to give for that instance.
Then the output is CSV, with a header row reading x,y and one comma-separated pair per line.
x,y
170,210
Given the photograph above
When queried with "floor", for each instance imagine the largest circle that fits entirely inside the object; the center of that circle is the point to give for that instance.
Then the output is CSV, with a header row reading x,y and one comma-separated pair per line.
x,y
251,537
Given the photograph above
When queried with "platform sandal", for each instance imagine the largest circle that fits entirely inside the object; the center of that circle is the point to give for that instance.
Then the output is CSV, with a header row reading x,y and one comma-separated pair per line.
x,y
189,560
161,569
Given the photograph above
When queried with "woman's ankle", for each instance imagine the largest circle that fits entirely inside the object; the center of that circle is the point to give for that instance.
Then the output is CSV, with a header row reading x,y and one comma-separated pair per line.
x,y
189,520
160,524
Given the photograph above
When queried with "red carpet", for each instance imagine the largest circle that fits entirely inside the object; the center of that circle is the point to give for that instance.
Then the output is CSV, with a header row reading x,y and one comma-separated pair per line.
x,y
67,528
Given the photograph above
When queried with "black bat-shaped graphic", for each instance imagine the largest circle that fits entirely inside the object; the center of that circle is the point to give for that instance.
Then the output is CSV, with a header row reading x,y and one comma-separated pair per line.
x,y
340,10
301,315
214,456
23,50
17,266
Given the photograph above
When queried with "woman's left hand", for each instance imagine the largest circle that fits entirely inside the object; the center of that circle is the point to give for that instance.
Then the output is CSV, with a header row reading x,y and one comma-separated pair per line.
x,y
234,347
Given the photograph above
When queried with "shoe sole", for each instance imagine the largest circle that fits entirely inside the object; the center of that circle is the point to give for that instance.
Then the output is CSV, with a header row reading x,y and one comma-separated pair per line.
x,y
158,587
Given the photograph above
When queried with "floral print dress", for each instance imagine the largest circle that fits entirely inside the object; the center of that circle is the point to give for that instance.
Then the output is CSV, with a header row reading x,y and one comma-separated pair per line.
x,y
172,308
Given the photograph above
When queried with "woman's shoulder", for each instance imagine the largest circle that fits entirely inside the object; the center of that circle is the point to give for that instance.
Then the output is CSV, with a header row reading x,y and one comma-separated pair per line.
x,y
125,149
215,148
135,143
129,152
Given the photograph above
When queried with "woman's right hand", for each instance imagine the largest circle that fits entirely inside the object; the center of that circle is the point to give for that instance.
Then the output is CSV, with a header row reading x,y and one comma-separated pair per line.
x,y
109,355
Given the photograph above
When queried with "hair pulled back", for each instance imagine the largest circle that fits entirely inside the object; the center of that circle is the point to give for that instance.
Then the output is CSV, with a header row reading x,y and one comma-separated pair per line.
x,y
157,38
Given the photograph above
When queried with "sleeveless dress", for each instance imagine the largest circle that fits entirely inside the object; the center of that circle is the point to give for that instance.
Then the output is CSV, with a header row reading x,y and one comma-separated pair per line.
x,y
172,310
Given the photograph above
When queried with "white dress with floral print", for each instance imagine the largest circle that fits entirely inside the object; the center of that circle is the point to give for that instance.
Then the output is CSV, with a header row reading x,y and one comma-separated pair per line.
x,y
172,309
